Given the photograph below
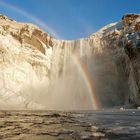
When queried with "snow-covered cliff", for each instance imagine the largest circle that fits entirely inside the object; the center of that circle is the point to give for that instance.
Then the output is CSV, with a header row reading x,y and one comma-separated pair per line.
x,y
38,71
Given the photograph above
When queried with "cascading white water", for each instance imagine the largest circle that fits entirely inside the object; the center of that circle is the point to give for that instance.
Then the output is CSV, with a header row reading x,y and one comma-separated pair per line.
x,y
66,88
40,72
55,81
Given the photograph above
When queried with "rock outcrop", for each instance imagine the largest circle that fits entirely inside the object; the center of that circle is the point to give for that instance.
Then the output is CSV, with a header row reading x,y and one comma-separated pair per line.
x,y
38,71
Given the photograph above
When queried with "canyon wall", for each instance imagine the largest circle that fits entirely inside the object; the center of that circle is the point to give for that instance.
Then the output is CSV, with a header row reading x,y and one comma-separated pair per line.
x,y
38,71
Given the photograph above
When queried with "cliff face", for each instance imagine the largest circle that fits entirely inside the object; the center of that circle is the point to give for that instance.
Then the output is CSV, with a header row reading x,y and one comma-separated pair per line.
x,y
25,60
40,72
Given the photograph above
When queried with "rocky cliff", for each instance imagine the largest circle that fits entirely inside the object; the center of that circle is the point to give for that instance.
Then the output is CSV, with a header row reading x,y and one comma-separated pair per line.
x,y
38,71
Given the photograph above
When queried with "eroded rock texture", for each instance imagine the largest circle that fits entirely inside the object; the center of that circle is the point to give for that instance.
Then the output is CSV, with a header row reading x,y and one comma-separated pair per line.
x,y
35,68
93,125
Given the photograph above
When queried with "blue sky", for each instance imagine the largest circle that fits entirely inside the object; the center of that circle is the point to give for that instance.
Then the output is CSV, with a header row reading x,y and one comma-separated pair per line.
x,y
69,19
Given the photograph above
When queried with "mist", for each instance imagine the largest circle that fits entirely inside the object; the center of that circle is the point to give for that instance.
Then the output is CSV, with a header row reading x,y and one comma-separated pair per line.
x,y
66,89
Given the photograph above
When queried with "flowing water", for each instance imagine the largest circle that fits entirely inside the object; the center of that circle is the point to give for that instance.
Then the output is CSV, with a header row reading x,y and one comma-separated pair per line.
x,y
82,77
45,73
77,125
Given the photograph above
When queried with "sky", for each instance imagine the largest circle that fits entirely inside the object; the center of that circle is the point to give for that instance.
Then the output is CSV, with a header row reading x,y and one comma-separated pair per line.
x,y
69,19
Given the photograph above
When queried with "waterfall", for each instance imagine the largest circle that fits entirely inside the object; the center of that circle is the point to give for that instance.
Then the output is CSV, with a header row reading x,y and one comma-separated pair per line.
x,y
40,72
67,87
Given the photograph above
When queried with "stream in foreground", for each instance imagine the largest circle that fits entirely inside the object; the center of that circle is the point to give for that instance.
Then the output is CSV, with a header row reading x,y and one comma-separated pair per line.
x,y
86,125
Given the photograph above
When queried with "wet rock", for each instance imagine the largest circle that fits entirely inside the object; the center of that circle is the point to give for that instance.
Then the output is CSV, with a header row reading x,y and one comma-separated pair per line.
x,y
2,114
94,129
86,136
104,128
98,135
122,108
138,107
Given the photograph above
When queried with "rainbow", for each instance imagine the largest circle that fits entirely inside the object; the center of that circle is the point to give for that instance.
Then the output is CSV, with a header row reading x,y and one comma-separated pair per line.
x,y
31,17
82,69
91,90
